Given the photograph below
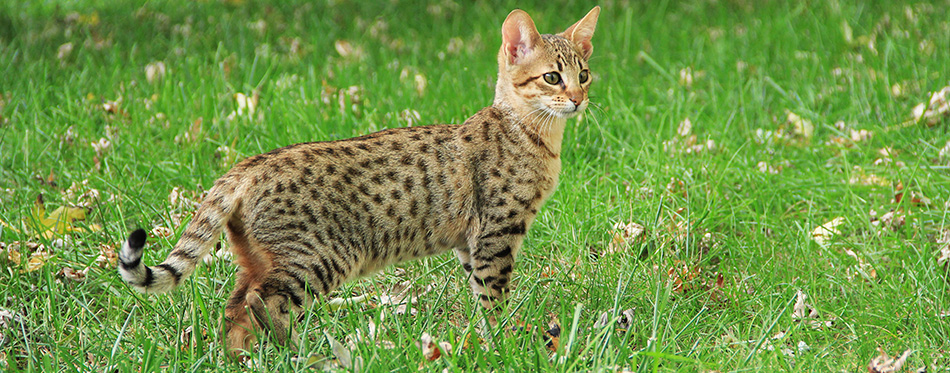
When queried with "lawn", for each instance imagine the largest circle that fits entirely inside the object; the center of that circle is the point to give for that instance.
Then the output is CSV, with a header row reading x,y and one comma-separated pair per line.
x,y
756,185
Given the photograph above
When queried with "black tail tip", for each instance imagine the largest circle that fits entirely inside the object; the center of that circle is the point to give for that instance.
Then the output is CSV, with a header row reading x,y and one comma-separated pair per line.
x,y
137,238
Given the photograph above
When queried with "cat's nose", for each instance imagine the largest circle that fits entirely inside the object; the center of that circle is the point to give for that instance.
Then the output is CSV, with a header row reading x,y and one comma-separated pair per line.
x,y
576,100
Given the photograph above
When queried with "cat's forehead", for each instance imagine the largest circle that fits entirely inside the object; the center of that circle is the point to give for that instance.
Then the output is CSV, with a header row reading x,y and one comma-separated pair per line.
x,y
564,51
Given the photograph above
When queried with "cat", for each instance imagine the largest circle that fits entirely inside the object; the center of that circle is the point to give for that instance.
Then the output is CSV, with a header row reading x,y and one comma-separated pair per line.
x,y
305,218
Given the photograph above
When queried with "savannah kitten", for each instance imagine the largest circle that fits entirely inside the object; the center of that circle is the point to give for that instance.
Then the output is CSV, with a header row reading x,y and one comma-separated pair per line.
x,y
305,218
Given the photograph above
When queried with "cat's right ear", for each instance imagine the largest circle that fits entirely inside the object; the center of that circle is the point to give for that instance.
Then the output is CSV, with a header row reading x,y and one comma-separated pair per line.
x,y
519,37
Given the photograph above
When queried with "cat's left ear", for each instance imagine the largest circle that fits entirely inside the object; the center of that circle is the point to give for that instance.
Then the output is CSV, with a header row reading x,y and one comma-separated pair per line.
x,y
581,32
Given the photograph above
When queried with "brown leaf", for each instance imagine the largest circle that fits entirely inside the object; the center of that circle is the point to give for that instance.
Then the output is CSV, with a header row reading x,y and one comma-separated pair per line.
x,y
430,351
107,257
162,232
623,236
72,274
887,364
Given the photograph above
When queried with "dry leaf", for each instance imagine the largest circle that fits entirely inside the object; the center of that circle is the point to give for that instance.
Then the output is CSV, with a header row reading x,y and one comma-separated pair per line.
x,y
859,177
154,71
37,260
343,355
624,235
58,222
101,147
943,241
162,232
347,50
803,310
685,128
72,274
64,51
9,320
886,364
227,156
624,320
801,127
894,220
686,142
420,84
682,276
863,268
938,108
823,234
107,257
766,168
430,351
246,104
194,132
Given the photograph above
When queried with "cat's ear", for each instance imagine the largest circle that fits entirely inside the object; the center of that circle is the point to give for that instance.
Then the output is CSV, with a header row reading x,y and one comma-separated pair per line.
x,y
581,32
519,36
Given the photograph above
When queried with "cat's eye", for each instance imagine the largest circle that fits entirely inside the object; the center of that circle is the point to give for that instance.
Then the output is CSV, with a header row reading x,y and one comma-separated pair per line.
x,y
552,78
583,76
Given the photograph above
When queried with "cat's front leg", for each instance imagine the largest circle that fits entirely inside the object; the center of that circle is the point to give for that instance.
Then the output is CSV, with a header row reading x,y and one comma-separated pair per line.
x,y
490,266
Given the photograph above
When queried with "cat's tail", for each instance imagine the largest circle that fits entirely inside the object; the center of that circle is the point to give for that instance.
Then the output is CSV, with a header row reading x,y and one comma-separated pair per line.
x,y
201,234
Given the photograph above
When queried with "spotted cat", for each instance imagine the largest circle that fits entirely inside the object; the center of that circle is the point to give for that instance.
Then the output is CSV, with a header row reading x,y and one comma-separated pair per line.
x,y
305,218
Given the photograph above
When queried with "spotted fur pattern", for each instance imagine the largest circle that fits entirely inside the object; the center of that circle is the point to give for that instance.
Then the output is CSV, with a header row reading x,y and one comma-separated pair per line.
x,y
305,218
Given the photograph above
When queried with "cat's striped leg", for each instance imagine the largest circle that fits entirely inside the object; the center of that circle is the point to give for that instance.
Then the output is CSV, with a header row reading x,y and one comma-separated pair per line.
x,y
492,262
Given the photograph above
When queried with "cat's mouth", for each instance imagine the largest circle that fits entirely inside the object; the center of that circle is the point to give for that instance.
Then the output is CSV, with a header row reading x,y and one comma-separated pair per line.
x,y
567,112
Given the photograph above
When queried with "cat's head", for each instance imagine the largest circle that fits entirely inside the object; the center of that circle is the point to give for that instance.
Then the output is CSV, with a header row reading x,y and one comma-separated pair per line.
x,y
545,75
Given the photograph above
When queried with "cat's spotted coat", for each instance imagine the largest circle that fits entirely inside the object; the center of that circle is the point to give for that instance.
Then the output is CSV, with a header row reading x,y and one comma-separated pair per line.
x,y
305,218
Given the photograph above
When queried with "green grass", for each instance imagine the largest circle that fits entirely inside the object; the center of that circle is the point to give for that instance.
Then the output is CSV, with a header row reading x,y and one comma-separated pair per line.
x,y
751,64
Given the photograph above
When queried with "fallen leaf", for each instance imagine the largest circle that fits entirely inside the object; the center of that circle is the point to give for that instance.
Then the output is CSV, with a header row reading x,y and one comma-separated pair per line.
x,y
348,51
887,364
802,310
101,147
64,51
246,104
227,155
893,220
154,71
430,350
801,127
60,221
624,235
9,320
194,132
625,322
420,84
162,232
859,177
823,234
343,355
943,241
107,256
863,268
936,110
72,274
37,260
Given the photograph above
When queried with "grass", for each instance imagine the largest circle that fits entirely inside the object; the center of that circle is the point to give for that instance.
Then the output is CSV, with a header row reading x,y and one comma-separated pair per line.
x,y
712,283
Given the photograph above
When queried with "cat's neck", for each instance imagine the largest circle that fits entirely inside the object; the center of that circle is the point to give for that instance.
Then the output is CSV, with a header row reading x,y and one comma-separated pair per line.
x,y
549,129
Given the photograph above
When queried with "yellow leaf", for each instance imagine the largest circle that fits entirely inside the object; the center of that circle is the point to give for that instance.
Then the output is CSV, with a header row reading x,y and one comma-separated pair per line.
x,y
58,222
37,260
